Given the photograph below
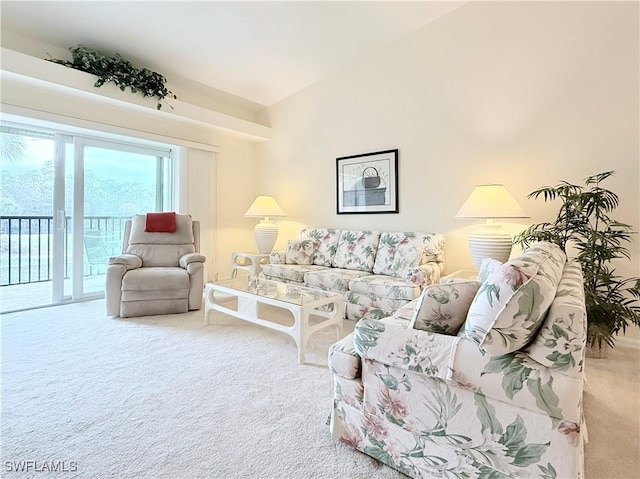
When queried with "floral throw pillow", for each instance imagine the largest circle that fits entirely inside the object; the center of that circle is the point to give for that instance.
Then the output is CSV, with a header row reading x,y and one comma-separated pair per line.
x,y
299,251
512,303
442,308
356,250
487,267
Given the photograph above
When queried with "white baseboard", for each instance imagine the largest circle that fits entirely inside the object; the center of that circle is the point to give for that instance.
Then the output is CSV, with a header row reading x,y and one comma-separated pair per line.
x,y
629,342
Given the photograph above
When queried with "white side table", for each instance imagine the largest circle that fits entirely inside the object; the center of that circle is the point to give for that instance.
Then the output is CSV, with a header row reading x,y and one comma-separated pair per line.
x,y
250,262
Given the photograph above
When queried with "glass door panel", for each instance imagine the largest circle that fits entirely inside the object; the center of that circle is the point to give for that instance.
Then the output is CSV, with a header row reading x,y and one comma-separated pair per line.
x,y
117,184
27,222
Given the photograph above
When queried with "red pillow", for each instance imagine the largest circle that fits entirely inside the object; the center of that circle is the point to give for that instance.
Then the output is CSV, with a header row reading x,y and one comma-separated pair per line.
x,y
160,223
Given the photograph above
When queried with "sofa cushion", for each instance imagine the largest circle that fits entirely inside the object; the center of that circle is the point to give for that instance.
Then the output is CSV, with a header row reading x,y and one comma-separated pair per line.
x,y
289,272
560,343
299,252
356,250
332,279
443,308
405,312
385,287
511,304
325,244
398,252
361,305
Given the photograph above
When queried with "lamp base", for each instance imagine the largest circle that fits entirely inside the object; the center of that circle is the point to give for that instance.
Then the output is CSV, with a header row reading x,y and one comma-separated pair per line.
x,y
490,241
265,234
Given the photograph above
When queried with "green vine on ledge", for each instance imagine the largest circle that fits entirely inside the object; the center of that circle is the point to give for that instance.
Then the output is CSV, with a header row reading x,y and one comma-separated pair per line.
x,y
119,71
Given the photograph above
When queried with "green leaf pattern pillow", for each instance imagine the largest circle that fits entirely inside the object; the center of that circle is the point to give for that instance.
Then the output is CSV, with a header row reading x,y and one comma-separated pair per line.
x,y
442,308
512,303
299,251
356,250
487,267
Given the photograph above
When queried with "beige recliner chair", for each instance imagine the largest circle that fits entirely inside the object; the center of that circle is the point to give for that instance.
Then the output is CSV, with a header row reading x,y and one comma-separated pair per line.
x,y
158,273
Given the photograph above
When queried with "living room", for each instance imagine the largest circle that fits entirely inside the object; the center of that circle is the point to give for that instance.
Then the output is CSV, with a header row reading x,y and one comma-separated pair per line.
x,y
520,93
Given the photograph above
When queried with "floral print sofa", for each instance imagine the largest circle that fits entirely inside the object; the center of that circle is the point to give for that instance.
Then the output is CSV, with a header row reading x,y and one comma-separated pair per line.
x,y
377,273
502,398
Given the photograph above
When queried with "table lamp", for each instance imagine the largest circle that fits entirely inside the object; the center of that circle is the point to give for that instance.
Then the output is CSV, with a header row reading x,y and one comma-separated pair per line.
x,y
265,232
491,240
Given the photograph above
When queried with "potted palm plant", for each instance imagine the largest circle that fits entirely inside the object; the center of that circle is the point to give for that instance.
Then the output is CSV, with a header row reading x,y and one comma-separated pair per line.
x,y
585,230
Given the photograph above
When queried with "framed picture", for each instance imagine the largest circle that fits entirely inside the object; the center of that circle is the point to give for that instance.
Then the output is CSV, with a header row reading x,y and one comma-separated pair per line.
x,y
368,183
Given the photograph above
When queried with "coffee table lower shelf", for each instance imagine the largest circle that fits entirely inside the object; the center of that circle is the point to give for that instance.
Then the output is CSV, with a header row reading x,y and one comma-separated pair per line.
x,y
219,294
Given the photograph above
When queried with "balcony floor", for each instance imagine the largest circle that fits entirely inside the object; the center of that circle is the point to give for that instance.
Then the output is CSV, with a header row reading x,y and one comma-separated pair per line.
x,y
30,295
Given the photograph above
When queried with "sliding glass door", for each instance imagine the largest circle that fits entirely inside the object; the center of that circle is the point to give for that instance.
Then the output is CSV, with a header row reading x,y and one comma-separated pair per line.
x,y
112,183
65,200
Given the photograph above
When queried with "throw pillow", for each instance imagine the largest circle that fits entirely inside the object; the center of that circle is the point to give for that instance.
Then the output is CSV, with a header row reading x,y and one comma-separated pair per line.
x,y
299,251
325,244
356,250
442,308
487,267
512,303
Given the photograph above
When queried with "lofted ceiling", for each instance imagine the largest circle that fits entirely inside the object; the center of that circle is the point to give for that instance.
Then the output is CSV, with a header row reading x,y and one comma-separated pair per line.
x,y
260,51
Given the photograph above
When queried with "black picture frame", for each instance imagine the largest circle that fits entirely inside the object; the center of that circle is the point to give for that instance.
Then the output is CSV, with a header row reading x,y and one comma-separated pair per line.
x,y
367,183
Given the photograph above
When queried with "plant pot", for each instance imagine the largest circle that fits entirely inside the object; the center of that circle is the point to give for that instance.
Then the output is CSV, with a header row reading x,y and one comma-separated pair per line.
x,y
598,352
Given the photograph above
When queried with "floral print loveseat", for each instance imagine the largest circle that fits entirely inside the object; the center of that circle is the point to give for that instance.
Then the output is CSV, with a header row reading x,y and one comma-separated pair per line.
x,y
376,272
502,398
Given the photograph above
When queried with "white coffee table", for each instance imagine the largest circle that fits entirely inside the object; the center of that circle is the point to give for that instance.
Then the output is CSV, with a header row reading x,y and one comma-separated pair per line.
x,y
219,295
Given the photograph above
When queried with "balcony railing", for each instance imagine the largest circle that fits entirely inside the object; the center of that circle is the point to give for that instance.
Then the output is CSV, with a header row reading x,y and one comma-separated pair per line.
x,y
26,246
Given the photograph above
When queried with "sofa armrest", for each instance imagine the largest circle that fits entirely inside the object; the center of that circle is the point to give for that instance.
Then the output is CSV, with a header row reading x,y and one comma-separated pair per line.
x,y
277,257
517,379
424,275
411,349
189,258
129,261
344,360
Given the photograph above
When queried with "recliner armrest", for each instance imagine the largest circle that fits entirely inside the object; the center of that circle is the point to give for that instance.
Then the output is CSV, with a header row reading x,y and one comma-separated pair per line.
x,y
191,258
130,261
411,349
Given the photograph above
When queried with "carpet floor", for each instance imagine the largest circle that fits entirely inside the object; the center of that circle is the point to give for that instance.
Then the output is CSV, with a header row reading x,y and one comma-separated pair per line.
x,y
168,397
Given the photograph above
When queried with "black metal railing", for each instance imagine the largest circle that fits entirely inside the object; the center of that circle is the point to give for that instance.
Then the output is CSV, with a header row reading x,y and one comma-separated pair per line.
x,y
26,246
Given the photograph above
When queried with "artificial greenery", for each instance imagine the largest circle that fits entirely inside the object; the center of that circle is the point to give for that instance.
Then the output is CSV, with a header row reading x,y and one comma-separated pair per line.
x,y
584,226
119,71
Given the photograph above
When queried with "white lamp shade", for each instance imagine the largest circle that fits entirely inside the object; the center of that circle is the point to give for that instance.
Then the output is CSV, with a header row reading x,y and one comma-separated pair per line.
x,y
491,240
491,201
264,206
265,233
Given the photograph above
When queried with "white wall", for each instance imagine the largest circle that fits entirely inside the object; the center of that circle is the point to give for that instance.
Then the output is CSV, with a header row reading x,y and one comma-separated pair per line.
x,y
521,93
238,185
